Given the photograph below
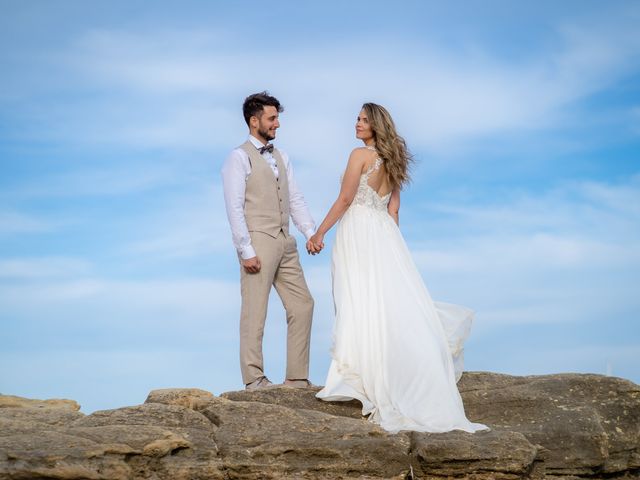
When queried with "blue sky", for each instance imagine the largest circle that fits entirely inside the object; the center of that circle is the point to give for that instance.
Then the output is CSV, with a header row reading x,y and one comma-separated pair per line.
x,y
117,271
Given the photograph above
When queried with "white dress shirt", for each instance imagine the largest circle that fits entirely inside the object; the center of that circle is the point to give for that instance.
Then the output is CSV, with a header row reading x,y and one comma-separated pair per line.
x,y
235,171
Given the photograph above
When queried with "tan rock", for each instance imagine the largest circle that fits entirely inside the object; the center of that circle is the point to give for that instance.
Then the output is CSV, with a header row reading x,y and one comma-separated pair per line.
x,y
184,397
255,438
505,454
163,446
147,441
586,424
297,398
561,427
33,418
11,401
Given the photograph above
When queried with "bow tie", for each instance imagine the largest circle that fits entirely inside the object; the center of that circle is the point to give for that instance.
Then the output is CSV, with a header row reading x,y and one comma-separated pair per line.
x,y
267,148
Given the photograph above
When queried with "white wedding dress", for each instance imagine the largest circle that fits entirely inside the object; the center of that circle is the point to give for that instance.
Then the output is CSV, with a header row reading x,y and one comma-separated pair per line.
x,y
395,350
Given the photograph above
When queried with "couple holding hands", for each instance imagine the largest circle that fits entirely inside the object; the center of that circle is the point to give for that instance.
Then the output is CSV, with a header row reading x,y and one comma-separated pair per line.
x,y
394,349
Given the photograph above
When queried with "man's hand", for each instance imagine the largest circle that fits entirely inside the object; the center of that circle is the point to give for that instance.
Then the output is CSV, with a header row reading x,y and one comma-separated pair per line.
x,y
251,265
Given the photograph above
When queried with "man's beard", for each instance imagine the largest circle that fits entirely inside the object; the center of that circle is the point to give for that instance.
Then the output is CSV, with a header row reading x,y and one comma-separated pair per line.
x,y
266,135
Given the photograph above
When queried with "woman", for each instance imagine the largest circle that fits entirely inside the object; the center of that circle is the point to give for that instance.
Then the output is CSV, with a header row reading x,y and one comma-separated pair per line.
x,y
395,350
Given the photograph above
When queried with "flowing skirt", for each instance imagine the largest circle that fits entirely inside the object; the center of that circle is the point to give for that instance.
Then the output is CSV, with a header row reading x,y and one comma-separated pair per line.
x,y
394,350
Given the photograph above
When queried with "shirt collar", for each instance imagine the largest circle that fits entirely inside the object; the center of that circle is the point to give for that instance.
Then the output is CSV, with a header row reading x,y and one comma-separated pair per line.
x,y
256,143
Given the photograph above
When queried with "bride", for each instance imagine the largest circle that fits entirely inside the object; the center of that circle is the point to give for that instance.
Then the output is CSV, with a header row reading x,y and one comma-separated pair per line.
x,y
395,349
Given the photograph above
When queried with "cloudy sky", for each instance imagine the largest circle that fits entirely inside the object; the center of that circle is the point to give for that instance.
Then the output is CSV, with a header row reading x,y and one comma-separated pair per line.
x,y
117,271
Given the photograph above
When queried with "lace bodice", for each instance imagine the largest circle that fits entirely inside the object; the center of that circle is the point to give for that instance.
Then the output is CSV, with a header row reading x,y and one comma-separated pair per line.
x,y
367,196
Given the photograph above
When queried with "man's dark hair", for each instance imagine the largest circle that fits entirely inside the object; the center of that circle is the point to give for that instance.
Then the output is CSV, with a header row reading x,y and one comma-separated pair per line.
x,y
254,105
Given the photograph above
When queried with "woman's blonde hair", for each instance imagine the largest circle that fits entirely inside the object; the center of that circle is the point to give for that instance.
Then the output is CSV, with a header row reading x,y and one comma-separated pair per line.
x,y
390,146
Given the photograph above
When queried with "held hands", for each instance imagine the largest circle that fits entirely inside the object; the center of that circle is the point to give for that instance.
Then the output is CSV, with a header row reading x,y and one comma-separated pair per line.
x,y
315,244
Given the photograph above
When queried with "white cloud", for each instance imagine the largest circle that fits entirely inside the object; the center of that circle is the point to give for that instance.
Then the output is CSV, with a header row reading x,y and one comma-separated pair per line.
x,y
635,119
164,62
192,225
12,222
114,180
172,88
580,207
446,94
33,268
613,360
546,252
568,255
114,378
104,299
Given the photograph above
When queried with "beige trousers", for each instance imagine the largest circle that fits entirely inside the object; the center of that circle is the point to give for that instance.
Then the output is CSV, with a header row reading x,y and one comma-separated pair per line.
x,y
280,268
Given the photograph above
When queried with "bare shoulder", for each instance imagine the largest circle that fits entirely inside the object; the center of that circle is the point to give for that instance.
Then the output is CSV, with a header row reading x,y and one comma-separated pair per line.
x,y
361,155
363,151
358,160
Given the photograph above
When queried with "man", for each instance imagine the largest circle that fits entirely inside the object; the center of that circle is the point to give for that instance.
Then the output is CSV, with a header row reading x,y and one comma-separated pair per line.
x,y
260,194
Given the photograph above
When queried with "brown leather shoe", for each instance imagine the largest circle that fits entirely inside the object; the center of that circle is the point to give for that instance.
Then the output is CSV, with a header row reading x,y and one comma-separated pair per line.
x,y
261,382
304,383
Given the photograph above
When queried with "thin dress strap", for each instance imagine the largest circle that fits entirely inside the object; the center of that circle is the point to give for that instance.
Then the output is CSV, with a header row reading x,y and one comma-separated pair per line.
x,y
374,167
377,163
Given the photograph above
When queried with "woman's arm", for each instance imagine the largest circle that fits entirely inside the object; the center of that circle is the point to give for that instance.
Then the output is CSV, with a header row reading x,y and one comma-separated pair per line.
x,y
394,205
348,190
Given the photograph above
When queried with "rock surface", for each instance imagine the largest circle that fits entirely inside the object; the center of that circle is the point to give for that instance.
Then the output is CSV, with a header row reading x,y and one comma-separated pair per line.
x,y
11,401
565,426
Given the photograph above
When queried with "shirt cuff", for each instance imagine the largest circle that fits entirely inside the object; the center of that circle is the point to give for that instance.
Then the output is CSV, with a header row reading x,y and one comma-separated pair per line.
x,y
247,252
309,233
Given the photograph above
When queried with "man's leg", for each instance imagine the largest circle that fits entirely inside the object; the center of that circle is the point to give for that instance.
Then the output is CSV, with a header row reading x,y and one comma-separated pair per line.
x,y
255,288
298,303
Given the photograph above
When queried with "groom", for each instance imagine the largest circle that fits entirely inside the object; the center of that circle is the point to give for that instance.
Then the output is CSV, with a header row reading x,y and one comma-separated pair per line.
x,y
260,194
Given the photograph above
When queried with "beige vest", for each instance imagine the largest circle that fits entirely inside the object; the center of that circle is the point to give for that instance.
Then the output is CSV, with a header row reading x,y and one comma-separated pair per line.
x,y
266,199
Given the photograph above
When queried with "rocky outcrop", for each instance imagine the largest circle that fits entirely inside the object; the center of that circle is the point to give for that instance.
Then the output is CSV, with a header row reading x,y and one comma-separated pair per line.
x,y
11,401
145,441
554,426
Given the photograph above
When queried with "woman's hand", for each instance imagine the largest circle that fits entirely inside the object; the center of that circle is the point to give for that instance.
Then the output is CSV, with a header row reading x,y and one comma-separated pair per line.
x,y
315,244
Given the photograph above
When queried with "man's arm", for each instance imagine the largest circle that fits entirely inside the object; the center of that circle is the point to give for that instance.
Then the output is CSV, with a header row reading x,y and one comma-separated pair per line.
x,y
298,208
234,174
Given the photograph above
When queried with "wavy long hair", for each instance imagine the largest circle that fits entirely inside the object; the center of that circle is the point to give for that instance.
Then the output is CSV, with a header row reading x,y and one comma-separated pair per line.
x,y
390,146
